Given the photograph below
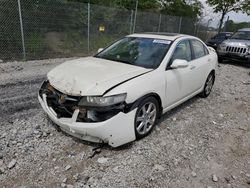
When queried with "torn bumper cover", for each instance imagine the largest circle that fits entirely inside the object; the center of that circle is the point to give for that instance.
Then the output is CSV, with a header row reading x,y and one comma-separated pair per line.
x,y
115,129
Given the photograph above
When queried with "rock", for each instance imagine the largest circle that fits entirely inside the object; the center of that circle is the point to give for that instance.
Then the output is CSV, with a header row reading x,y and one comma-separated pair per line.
x,y
157,128
248,175
2,170
227,179
209,186
214,178
1,61
64,180
14,131
36,132
174,119
102,160
70,186
45,134
63,185
12,164
193,174
76,177
243,128
214,122
234,177
221,115
67,167
116,169
158,167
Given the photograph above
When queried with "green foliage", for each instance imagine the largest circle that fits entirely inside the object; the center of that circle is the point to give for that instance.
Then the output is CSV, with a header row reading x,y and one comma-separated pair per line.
x,y
182,8
127,4
35,45
226,6
231,26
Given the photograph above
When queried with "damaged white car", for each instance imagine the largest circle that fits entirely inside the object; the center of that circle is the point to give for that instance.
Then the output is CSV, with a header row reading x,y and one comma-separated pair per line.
x,y
117,95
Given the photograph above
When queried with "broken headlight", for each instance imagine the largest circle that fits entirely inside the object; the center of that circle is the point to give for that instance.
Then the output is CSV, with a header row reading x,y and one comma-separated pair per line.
x,y
95,101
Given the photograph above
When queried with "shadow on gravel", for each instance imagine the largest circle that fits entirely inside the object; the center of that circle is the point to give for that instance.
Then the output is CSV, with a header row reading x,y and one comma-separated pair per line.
x,y
235,63
182,106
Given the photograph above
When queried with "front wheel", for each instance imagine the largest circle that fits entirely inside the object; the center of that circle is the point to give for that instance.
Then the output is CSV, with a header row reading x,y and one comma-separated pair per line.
x,y
146,117
208,85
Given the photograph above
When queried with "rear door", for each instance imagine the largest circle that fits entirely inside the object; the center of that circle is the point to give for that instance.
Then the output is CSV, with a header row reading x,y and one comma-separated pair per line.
x,y
200,63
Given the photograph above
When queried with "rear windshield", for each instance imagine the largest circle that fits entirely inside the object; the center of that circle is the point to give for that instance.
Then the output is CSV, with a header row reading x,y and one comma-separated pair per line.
x,y
144,52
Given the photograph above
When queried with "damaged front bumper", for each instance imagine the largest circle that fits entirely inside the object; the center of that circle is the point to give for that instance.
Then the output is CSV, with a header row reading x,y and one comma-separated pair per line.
x,y
116,130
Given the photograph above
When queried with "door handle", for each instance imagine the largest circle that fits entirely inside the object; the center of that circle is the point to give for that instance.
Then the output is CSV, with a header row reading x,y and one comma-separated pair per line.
x,y
192,67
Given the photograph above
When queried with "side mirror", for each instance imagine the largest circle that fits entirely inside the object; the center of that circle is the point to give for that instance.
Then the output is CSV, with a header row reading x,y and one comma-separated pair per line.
x,y
99,50
179,63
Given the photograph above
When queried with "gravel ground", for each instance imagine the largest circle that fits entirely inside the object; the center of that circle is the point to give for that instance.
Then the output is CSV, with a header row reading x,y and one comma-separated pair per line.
x,y
202,143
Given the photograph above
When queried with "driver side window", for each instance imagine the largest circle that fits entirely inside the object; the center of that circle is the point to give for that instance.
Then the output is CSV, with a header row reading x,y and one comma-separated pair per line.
x,y
182,51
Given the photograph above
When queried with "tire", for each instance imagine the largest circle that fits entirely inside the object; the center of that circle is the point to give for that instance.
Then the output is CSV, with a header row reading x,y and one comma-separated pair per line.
x,y
208,85
146,117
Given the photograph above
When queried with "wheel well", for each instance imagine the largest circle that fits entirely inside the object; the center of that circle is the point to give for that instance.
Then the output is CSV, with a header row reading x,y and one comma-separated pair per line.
x,y
155,95
213,72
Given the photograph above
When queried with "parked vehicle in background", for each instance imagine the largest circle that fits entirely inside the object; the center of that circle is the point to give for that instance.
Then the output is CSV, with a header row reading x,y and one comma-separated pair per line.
x,y
218,39
117,95
236,48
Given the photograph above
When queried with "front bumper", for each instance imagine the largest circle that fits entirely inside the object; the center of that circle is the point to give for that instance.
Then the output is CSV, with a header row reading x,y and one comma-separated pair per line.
x,y
234,57
115,131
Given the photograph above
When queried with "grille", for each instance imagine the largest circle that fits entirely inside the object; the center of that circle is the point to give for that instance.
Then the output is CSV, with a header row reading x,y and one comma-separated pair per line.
x,y
237,50
63,105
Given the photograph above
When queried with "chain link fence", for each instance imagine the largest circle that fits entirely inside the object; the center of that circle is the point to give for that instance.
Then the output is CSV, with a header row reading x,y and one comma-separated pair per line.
x,y
47,29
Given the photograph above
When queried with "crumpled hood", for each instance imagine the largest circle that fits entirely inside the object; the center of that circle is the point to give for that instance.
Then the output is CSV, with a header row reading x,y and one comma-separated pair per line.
x,y
91,76
237,42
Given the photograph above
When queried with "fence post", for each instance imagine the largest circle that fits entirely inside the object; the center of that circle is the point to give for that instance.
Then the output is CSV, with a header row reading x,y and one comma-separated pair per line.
x,y
159,26
131,22
88,27
21,28
136,7
180,25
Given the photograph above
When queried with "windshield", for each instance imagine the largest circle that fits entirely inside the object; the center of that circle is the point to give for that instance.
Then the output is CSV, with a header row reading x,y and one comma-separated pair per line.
x,y
144,52
244,35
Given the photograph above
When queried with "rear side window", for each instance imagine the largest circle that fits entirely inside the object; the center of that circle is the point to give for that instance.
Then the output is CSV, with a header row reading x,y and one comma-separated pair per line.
x,y
199,49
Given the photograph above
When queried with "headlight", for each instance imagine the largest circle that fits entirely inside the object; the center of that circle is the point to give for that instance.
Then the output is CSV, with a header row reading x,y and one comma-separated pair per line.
x,y
102,101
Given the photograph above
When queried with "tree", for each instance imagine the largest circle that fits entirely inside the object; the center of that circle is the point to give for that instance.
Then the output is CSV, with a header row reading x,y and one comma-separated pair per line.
x,y
233,27
127,4
182,8
226,6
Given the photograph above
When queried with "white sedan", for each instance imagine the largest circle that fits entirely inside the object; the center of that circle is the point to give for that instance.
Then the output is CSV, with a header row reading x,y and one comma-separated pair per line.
x,y
116,96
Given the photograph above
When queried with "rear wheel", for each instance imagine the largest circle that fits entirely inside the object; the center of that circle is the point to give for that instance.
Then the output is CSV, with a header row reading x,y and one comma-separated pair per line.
x,y
208,85
146,117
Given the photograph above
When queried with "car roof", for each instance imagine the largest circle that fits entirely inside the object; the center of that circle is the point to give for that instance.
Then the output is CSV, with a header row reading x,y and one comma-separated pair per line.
x,y
244,29
160,35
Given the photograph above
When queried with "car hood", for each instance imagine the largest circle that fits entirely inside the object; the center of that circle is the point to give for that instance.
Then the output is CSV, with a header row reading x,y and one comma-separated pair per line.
x,y
215,41
237,42
91,76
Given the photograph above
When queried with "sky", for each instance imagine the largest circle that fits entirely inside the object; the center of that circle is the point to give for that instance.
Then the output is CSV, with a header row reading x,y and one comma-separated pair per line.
x,y
236,17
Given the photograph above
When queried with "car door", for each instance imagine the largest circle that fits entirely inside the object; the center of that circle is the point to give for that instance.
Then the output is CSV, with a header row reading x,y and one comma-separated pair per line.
x,y
180,82
199,64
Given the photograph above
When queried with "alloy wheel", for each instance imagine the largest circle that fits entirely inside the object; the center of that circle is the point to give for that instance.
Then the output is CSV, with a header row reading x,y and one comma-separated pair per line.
x,y
146,118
